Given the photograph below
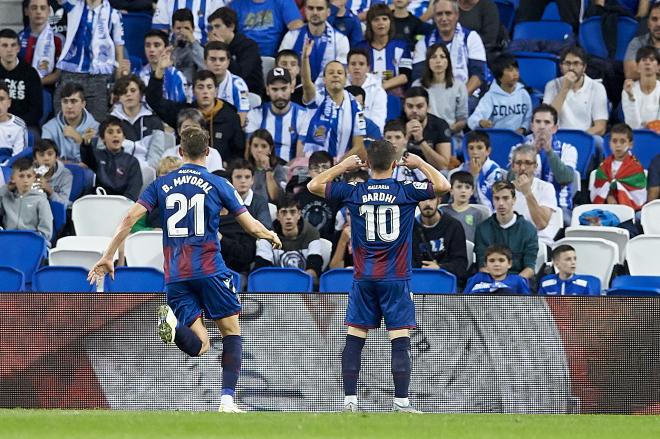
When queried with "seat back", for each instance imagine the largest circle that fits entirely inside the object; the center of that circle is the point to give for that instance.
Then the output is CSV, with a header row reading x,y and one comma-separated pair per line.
x,y
80,182
623,212
94,243
279,280
542,30
59,217
590,37
469,250
393,107
61,279
326,252
640,254
337,280
507,12
99,215
585,144
551,12
541,256
625,31
11,279
145,249
595,256
148,176
646,146
76,258
651,218
267,63
431,281
640,286
619,237
22,250
135,280
536,69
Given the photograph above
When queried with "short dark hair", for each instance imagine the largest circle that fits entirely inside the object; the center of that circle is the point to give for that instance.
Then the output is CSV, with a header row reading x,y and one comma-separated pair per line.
x,y
477,136
563,248
9,33
381,154
546,108
319,157
183,14
356,90
157,33
501,63
203,75
358,51
647,52
121,85
239,163
286,52
43,145
287,200
462,177
376,11
414,92
622,128
504,185
108,122
227,15
194,142
5,87
22,164
394,125
358,173
71,88
499,249
575,51
216,45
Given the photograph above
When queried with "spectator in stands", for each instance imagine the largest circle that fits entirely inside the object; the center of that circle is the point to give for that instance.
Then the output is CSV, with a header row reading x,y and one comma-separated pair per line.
x,y
22,79
139,123
375,103
117,172
72,124
94,45
22,206
651,38
222,120
448,98
509,228
41,46
165,10
438,240
289,60
570,11
580,101
483,169
193,117
654,179
245,60
620,178
641,99
536,199
507,104
372,130
301,245
428,136
407,26
395,133
468,55
53,178
269,173
483,17
175,85
241,176
345,22
391,60
266,20
151,220
337,122
13,132
565,282
231,88
187,52
462,189
495,278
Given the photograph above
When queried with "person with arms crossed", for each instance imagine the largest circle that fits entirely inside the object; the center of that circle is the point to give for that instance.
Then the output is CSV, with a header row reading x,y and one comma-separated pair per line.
x,y
382,216
196,276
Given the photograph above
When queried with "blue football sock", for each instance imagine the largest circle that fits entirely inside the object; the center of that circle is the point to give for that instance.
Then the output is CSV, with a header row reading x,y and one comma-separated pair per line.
x,y
350,363
232,353
187,340
401,366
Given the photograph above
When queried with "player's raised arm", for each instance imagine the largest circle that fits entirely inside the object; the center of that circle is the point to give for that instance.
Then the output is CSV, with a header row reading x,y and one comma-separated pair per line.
x,y
258,230
440,183
317,185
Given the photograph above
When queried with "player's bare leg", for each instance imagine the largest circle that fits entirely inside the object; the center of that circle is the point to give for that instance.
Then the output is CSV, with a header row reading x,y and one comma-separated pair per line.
x,y
350,365
401,367
232,352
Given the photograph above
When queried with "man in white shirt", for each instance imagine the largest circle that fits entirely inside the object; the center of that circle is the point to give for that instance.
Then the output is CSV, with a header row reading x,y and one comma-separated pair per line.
x,y
641,99
375,104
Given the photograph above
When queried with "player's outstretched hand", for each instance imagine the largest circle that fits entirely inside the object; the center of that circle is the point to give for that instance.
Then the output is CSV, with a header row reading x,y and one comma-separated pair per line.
x,y
352,163
275,240
99,270
411,161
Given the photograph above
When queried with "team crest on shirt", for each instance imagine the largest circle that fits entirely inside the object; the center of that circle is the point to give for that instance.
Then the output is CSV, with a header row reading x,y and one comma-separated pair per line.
x,y
422,185
319,132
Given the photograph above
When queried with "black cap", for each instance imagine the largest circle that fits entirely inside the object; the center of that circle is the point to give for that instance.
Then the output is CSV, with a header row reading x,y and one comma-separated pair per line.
x,y
278,73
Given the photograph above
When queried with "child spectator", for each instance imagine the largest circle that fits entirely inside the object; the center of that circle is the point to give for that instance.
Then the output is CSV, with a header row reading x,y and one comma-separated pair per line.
x,y
462,189
507,104
565,282
620,178
117,172
41,46
269,173
395,133
407,26
22,206
484,171
496,278
241,176
175,86
187,53
13,132
640,99
288,59
53,178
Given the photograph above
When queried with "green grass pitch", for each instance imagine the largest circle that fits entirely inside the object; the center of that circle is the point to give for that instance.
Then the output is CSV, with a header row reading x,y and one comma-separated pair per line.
x,y
106,424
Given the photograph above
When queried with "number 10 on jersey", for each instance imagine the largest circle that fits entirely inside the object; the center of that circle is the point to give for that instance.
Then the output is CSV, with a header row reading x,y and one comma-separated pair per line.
x,y
381,220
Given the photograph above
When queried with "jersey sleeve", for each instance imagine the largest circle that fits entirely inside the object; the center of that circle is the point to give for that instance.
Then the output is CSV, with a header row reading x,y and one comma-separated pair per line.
x,y
149,198
241,99
230,198
338,191
418,191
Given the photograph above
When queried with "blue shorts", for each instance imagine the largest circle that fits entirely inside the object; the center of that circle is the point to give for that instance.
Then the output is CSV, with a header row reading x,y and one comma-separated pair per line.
x,y
215,296
370,301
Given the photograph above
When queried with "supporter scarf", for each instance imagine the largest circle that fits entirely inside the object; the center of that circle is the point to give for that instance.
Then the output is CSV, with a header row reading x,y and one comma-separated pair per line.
x,y
43,56
320,56
458,51
628,186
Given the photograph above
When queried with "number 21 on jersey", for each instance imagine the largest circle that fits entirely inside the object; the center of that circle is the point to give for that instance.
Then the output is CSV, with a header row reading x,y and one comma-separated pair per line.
x,y
183,205
381,221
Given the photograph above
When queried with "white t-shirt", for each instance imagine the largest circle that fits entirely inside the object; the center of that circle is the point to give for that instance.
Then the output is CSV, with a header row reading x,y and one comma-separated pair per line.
x,y
645,107
13,134
545,195
581,108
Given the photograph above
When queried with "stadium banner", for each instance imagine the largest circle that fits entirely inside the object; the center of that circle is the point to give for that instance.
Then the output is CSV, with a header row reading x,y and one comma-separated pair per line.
x,y
469,354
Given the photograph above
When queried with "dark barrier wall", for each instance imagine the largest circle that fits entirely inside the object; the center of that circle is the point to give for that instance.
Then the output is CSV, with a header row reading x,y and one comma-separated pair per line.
x,y
470,354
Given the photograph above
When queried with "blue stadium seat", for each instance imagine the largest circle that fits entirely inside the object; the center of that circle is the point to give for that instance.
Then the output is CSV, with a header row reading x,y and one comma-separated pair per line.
x,y
136,25
537,69
338,280
82,180
47,107
635,286
542,30
61,279
430,281
279,280
393,107
135,280
23,250
507,10
585,145
591,36
27,152
501,142
59,217
646,146
11,279
551,12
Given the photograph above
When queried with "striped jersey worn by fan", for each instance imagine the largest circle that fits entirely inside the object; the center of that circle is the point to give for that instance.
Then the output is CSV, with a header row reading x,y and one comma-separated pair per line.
x,y
382,219
190,200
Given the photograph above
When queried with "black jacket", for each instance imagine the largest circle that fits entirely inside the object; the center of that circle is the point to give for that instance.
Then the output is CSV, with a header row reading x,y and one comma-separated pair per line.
x,y
118,173
237,246
246,62
25,92
444,244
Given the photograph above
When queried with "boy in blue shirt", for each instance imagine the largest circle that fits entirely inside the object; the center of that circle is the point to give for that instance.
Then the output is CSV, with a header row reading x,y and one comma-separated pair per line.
x,y
483,169
565,282
496,278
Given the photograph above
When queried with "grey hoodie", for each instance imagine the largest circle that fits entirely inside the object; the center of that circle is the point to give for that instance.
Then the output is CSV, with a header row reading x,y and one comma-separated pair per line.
x,y
54,130
61,182
26,212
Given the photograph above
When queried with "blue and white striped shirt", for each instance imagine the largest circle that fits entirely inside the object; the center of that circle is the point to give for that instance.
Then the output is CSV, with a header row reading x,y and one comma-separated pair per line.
x,y
201,10
234,90
286,128
175,85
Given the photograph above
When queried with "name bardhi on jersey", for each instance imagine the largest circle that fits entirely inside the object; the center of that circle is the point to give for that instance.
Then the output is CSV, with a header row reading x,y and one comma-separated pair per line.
x,y
378,196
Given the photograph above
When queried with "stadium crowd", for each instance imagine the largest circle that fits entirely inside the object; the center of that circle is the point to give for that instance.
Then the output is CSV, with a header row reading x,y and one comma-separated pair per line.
x,y
287,88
